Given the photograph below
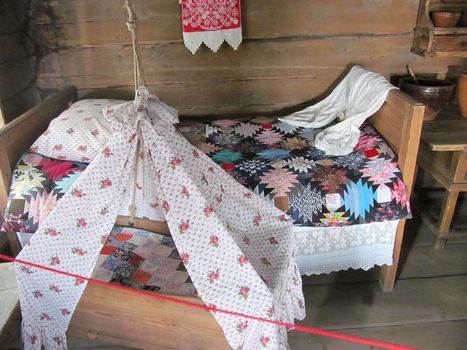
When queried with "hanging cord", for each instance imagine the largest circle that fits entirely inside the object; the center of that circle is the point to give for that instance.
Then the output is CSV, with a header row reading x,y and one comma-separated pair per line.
x,y
132,24
139,81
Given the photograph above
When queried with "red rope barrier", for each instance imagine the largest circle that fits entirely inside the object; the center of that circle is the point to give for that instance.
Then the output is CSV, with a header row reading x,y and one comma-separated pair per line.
x,y
310,330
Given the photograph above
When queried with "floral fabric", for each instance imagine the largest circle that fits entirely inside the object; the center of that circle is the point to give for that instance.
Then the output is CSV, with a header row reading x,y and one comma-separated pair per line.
x,y
237,249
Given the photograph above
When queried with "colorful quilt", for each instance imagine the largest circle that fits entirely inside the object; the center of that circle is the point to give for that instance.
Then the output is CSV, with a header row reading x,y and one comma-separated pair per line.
x,y
143,260
274,159
269,157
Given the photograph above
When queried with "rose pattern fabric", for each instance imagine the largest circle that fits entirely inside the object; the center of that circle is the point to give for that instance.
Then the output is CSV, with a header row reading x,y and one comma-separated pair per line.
x,y
250,267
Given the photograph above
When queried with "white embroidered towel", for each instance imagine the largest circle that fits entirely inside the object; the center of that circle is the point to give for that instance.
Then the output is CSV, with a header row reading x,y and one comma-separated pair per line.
x,y
358,96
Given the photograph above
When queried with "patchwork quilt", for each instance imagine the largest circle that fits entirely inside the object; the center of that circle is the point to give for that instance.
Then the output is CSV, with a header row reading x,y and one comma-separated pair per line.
x,y
269,157
143,260
274,159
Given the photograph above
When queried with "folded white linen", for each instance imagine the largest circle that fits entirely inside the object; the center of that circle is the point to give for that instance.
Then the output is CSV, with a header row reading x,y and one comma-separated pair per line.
x,y
358,96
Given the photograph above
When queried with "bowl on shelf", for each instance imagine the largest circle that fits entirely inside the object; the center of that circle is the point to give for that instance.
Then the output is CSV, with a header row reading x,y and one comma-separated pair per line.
x,y
434,94
445,19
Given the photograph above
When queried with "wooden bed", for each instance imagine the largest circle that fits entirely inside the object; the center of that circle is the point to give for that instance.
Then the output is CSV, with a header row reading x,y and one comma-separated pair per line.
x,y
139,321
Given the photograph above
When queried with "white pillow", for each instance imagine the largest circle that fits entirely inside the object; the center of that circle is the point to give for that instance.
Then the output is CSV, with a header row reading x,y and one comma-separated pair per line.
x,y
78,134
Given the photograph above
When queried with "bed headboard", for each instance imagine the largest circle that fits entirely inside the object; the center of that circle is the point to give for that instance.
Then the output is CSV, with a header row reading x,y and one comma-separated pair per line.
x,y
17,136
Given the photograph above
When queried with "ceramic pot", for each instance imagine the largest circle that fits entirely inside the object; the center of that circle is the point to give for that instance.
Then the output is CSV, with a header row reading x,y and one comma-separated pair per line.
x,y
434,94
444,19
462,93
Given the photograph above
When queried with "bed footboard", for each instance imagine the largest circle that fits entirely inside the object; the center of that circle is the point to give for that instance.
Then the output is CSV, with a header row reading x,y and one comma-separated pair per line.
x,y
400,121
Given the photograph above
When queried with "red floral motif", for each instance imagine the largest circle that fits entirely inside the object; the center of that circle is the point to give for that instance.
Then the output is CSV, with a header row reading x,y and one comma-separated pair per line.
x,y
61,157
70,131
58,147
242,259
79,281
208,211
300,303
214,241
34,149
45,316
204,179
54,260
273,241
195,154
104,238
78,251
65,312
246,240
265,261
264,340
222,189
165,206
271,312
82,148
242,326
77,193
283,217
138,186
132,138
107,152
247,195
174,162
55,289
26,270
106,183
219,199
87,119
37,294
58,340
46,133
33,339
211,169
81,222
257,219
154,205
95,132
85,159
184,226
213,276
185,257
244,292
185,192
51,232
104,211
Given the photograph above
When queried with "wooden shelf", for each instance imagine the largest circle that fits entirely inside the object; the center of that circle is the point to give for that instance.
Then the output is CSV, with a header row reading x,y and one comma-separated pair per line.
x,y
431,41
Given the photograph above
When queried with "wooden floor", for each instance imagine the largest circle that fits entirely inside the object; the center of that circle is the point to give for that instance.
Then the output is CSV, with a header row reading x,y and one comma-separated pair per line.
x,y
427,309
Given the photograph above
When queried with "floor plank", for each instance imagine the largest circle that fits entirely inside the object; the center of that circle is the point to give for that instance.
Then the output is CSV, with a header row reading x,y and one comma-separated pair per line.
x,y
450,335
362,305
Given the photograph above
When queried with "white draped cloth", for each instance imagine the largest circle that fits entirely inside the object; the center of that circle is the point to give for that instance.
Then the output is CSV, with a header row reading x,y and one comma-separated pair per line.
x,y
358,96
237,249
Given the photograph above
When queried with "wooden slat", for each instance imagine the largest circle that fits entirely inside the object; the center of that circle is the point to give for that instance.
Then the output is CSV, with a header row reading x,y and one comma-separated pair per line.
x,y
129,319
70,23
445,135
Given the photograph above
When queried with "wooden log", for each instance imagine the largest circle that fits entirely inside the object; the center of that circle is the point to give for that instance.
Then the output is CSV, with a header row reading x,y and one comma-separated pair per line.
x,y
70,23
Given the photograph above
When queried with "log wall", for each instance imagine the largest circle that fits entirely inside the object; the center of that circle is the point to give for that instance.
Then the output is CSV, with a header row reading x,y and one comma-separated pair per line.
x,y
292,53
17,60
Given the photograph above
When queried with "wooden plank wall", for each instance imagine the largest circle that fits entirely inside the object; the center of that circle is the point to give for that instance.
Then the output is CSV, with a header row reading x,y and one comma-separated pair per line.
x,y
292,52
17,60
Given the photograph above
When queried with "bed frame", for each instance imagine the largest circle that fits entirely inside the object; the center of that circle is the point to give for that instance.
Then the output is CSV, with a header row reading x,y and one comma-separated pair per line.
x,y
130,319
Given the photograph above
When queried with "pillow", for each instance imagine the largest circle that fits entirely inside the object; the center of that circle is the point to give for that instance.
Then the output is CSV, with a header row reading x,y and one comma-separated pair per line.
x,y
78,134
